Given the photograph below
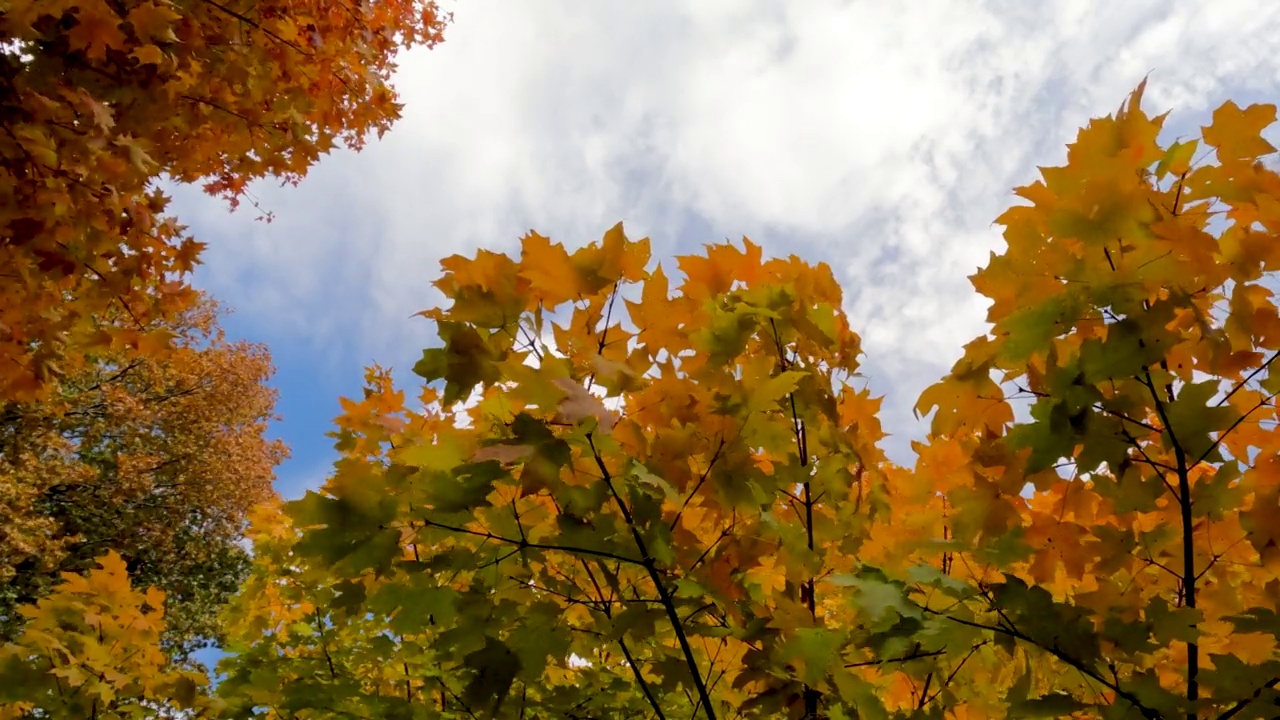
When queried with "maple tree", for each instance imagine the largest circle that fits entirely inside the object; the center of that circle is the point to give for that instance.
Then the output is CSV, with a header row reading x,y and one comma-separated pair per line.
x,y
671,488
159,461
101,99
92,649
1118,542
616,495
615,498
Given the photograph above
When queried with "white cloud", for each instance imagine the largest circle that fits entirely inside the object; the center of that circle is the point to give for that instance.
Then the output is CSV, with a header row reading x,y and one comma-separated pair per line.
x,y
880,136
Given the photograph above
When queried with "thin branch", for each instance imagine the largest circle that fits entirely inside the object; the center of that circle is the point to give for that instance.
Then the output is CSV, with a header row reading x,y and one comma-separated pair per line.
x,y
1266,364
622,643
644,686
1188,545
1127,696
668,603
698,485
955,671
533,545
1222,435
914,655
1242,704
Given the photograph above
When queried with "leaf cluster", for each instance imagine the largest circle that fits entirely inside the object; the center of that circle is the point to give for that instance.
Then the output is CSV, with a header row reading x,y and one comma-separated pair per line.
x,y
101,99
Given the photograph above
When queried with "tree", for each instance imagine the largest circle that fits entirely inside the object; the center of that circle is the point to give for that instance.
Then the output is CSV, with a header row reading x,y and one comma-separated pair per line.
x,y
92,649
670,488
615,500
1120,543
99,99
159,461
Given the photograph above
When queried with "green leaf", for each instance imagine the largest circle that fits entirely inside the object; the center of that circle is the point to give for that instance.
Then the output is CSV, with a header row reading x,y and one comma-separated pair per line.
x,y
1030,329
495,668
666,491
1052,434
932,576
466,360
1177,158
1233,678
1258,619
415,603
441,454
817,649
727,334
1127,350
883,601
539,639
1192,419
766,395
348,535
466,488
1053,705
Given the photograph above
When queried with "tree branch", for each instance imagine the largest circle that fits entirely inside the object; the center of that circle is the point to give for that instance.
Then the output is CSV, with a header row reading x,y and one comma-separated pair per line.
x,y
668,603
521,544
1013,632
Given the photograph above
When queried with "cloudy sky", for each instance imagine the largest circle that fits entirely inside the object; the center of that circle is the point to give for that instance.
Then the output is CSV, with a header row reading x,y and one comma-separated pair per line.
x,y
879,136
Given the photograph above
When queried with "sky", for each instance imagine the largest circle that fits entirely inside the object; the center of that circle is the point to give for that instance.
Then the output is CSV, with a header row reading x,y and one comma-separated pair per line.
x,y
880,137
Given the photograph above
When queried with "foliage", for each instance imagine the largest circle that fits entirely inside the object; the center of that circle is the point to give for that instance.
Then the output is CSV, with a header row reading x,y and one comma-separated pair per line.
x,y
666,487
618,496
1119,541
159,461
616,500
92,650
99,99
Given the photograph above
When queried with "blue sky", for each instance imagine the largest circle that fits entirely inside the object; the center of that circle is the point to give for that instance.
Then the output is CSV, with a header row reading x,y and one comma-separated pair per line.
x,y
881,137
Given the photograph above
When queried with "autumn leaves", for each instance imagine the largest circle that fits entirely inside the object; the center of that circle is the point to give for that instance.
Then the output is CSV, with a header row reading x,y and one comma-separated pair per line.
x,y
726,539
624,488
102,99
131,431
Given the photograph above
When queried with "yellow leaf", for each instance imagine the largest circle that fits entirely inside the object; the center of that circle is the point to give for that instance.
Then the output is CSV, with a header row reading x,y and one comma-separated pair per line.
x,y
154,21
622,258
553,278
148,55
767,575
1237,134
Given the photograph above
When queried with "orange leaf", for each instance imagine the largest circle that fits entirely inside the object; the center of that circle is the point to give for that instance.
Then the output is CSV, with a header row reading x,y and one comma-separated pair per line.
x,y
97,29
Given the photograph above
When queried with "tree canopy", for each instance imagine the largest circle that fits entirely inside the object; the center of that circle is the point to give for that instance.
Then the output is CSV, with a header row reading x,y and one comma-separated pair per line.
x,y
159,461
101,99
636,489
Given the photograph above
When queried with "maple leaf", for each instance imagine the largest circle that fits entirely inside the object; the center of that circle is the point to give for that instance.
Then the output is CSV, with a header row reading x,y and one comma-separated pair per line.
x,y
579,403
153,21
1237,133
97,29
149,55
552,275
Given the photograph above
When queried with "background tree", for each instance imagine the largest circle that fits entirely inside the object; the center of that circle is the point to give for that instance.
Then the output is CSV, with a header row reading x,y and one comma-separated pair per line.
x,y
99,99
157,460
92,649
